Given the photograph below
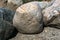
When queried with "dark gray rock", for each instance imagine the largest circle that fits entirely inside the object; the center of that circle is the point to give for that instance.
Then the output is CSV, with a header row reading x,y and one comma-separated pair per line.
x,y
26,1
7,14
7,30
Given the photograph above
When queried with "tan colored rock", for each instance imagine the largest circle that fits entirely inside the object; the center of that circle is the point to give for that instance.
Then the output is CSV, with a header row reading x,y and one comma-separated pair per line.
x,y
3,3
51,12
28,18
56,21
14,4
10,4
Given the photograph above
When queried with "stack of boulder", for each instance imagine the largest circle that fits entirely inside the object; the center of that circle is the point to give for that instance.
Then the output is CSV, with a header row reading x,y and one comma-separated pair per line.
x,y
29,18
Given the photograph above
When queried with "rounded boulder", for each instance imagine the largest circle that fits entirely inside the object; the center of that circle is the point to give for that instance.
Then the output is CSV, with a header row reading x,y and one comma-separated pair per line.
x,y
28,18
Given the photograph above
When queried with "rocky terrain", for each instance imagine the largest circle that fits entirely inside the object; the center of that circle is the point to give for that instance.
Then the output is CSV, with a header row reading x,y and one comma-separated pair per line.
x,y
50,31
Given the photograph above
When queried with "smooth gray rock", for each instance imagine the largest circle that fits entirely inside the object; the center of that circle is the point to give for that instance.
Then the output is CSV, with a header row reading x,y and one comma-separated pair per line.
x,y
28,18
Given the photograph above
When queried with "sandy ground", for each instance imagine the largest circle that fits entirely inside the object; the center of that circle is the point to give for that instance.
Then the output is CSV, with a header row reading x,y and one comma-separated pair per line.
x,y
47,34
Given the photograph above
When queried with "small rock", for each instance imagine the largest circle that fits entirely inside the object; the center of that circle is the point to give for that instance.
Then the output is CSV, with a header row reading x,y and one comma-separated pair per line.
x,y
28,18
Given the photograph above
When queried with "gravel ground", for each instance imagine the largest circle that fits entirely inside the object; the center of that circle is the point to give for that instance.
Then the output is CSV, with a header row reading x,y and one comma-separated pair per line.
x,y
48,34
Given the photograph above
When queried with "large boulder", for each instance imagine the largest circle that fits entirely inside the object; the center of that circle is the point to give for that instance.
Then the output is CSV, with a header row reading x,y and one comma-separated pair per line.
x,y
28,18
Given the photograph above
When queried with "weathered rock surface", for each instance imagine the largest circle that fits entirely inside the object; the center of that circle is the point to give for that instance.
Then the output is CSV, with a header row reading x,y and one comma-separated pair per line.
x,y
47,34
56,21
28,18
14,4
3,3
11,4
51,12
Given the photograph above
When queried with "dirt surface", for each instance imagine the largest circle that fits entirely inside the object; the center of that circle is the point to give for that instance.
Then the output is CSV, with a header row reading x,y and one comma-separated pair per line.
x,y
48,34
